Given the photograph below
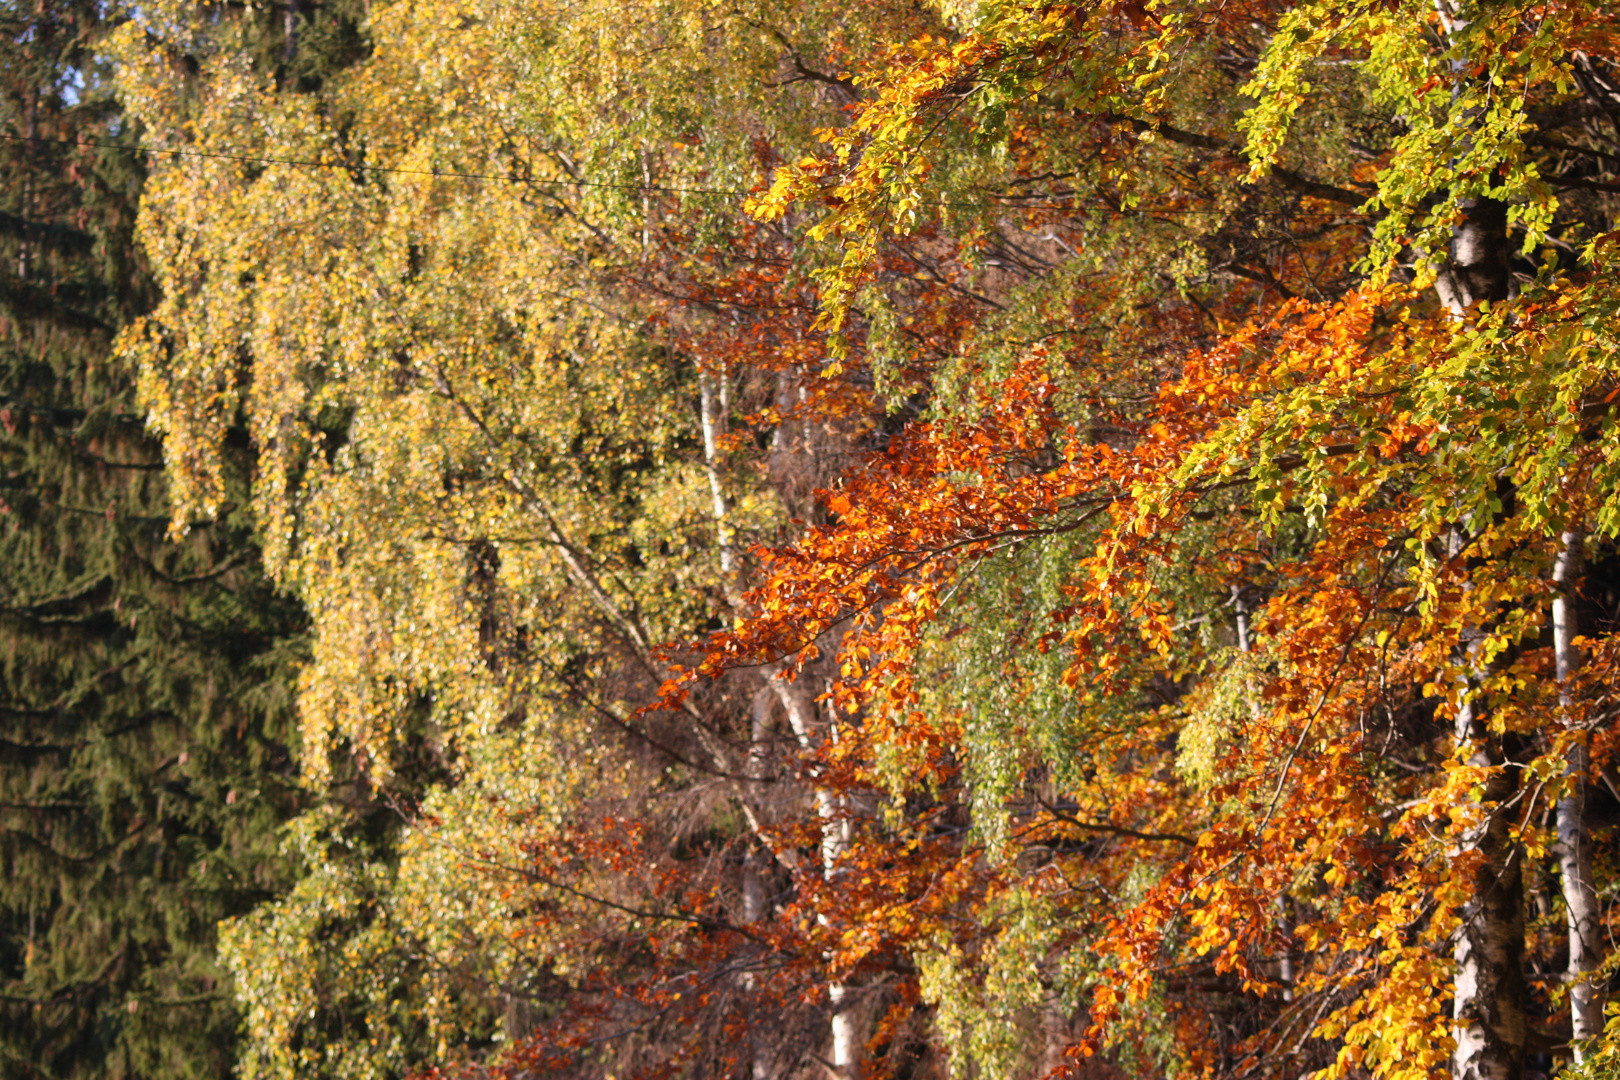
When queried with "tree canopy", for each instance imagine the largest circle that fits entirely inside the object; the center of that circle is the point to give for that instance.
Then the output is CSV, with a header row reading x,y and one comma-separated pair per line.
x,y
889,540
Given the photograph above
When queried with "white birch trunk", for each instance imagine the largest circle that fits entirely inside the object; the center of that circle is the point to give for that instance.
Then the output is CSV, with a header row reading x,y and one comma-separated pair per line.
x,y
754,899
712,409
835,837
1477,267
800,711
1488,993
289,46
1488,989
1574,844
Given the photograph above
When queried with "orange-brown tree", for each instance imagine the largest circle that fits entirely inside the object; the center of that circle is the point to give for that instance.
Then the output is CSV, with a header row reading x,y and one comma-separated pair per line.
x,y
1371,451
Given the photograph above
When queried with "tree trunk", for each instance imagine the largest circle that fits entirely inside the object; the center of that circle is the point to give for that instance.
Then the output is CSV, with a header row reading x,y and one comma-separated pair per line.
x,y
1574,845
289,39
835,837
1489,993
1488,990
755,900
714,405
713,409
1478,267
1488,1002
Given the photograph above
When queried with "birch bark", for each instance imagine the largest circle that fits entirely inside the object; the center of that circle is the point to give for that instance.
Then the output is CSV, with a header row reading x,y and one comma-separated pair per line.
x,y
1574,843
835,837
799,707
1488,1003
1488,1006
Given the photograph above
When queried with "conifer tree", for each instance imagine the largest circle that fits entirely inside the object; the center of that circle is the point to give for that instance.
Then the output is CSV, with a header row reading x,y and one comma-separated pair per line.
x,y
145,746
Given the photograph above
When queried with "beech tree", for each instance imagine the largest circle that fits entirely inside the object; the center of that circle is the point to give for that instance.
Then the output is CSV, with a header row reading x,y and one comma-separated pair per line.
x,y
1486,528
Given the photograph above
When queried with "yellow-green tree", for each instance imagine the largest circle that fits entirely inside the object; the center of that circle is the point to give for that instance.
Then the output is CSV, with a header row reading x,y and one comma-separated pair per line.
x,y
472,296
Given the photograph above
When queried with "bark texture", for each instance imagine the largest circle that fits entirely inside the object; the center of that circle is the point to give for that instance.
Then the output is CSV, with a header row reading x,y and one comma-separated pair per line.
x,y
797,703
1574,844
1489,1004
1478,268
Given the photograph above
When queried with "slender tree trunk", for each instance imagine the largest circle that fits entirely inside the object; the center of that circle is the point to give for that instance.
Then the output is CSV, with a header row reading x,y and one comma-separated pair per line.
x,y
837,834
1241,603
755,900
846,1036
1489,994
1488,990
835,837
1477,267
712,406
289,42
1488,1002
713,409
1574,844
754,909
799,707
1491,1027
26,206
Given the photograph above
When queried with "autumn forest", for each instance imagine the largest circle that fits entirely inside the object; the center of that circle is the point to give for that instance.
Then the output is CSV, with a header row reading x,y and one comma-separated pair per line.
x,y
791,540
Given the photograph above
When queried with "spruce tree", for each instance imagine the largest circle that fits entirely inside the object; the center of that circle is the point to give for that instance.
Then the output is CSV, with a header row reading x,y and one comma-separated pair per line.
x,y
145,682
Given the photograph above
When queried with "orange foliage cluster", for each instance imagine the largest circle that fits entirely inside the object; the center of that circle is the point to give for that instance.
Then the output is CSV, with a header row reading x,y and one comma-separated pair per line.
x,y
1318,870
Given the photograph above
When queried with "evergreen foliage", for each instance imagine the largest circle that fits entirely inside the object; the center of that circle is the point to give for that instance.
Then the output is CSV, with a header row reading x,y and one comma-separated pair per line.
x,y
145,685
